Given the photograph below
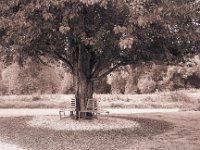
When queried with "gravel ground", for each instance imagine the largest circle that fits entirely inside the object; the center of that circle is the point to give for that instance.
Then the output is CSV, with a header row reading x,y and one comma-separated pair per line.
x,y
103,123
17,131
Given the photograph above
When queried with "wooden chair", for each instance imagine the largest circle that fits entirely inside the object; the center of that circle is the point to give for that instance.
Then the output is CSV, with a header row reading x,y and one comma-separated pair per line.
x,y
72,109
92,107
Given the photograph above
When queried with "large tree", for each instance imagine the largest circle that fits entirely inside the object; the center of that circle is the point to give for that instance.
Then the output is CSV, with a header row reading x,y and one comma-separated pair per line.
x,y
94,37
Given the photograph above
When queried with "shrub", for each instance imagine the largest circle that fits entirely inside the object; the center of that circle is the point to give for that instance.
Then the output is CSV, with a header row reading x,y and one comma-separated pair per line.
x,y
49,80
67,84
117,82
9,78
146,85
180,97
3,88
36,98
117,105
102,87
31,78
131,85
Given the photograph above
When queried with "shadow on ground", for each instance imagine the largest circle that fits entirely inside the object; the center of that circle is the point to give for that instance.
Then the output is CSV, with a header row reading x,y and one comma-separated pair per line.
x,y
16,131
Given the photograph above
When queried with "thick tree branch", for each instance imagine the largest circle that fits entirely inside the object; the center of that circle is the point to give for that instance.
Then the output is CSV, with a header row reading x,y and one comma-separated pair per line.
x,y
96,67
67,62
108,71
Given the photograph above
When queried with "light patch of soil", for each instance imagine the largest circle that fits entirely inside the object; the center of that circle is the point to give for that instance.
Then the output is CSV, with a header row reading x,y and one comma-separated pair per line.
x,y
68,124
8,146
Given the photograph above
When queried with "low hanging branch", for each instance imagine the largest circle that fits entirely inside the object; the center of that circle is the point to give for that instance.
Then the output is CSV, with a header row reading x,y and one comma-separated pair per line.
x,y
67,62
108,71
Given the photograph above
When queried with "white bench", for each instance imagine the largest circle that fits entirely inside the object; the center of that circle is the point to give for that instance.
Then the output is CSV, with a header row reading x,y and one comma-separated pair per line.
x,y
72,109
92,107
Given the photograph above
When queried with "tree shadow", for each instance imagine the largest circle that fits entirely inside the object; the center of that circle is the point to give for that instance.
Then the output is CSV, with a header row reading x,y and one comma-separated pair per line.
x,y
16,131
148,127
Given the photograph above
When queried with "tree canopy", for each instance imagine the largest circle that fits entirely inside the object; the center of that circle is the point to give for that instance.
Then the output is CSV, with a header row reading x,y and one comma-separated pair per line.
x,y
113,32
59,28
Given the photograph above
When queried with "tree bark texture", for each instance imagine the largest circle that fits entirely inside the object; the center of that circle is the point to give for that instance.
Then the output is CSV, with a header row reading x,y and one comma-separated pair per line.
x,y
84,85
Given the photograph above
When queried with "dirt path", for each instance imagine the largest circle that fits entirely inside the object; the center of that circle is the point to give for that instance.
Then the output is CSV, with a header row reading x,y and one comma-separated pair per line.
x,y
36,112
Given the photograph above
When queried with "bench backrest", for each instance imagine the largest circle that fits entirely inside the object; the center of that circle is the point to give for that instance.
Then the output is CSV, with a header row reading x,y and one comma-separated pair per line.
x,y
92,104
73,104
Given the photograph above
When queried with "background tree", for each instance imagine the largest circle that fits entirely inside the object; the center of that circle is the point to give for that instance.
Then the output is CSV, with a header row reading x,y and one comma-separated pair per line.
x,y
31,79
94,37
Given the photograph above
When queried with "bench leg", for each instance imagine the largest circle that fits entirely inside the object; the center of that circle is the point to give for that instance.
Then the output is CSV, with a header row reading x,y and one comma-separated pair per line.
x,y
79,114
60,114
108,114
71,114
97,115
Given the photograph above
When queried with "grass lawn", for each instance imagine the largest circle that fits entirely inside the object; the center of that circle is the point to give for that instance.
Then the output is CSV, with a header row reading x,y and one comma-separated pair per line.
x,y
157,131
186,99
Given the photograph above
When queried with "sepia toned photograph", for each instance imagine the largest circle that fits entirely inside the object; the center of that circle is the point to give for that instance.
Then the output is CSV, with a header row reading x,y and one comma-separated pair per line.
x,y
99,74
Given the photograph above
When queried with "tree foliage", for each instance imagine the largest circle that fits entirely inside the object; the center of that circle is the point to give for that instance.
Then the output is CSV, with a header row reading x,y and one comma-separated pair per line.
x,y
113,32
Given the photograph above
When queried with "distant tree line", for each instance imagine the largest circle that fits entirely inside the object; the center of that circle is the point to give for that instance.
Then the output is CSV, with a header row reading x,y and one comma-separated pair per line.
x,y
34,78
53,78
154,77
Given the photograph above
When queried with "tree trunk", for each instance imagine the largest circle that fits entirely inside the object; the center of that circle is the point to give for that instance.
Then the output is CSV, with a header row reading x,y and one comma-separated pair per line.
x,y
84,85
84,91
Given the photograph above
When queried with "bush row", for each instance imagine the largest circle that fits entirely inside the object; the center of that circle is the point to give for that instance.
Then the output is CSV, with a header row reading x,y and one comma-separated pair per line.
x,y
146,78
